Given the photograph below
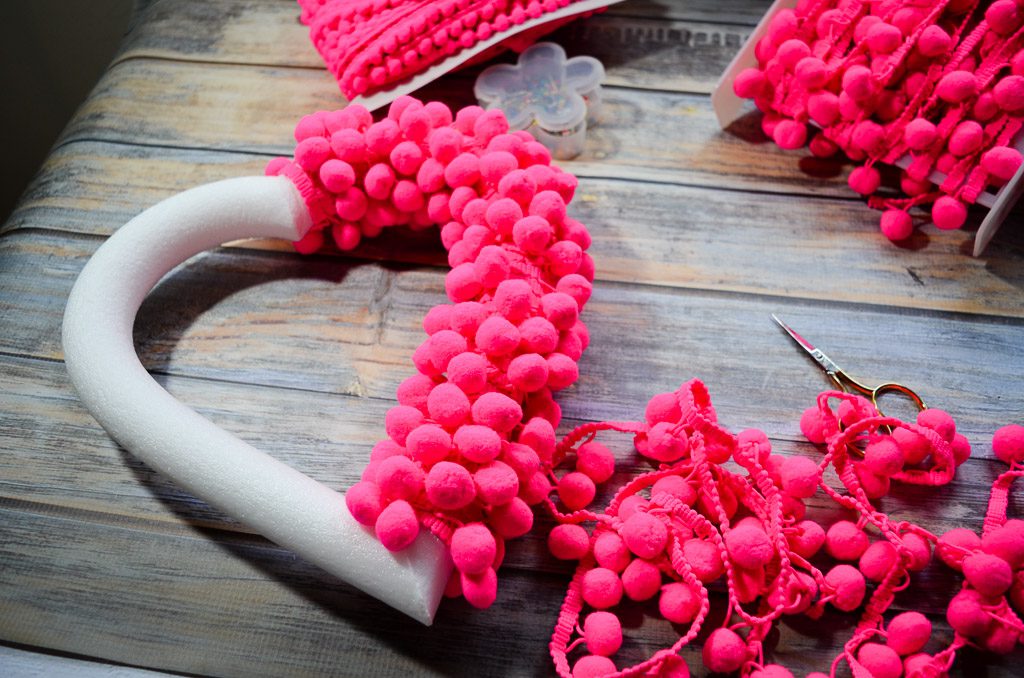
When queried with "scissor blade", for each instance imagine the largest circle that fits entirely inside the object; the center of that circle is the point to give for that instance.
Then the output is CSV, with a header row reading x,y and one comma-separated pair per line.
x,y
807,346
824,362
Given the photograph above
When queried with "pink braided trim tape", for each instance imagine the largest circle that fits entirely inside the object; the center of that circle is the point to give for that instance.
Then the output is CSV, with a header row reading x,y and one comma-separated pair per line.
x,y
369,45
473,438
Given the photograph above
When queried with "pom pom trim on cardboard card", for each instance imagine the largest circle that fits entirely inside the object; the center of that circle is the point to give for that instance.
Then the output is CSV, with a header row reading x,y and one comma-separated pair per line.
x,y
937,89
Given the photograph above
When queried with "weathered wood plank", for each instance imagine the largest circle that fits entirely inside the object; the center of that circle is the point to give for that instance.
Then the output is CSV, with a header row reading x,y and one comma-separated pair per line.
x,y
328,436
650,136
668,235
251,608
23,663
330,326
654,51
69,554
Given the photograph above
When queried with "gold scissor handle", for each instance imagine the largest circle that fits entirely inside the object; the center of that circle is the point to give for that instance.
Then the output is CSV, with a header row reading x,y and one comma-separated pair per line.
x,y
892,387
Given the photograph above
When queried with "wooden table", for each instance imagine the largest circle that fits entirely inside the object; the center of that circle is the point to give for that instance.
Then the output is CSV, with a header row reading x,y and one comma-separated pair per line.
x,y
698,236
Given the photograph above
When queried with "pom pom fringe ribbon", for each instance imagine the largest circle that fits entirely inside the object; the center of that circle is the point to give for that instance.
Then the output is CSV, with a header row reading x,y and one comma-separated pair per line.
x,y
471,446
369,45
939,83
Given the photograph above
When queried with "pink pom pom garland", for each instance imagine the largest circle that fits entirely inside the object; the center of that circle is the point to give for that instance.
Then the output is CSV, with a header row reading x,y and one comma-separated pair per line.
x,y
748,528
369,45
937,83
473,434
471,447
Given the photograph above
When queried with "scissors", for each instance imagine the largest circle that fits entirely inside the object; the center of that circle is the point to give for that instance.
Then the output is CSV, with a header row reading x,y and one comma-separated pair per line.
x,y
844,381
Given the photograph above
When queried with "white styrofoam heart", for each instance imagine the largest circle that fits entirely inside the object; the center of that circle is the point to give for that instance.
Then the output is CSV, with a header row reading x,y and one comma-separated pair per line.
x,y
277,501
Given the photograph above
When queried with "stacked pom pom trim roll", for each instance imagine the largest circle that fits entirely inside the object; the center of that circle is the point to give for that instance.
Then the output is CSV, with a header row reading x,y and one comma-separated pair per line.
x,y
468,444
369,45
940,83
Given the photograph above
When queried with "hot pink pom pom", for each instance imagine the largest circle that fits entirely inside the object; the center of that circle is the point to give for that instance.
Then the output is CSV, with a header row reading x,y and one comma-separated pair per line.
x,y
449,486
428,444
749,83
595,460
593,666
966,138
705,559
381,137
845,541
790,134
967,615
948,213
645,535
601,588
1008,444
602,633
678,603
1007,542
989,574
473,548
511,520
641,580
749,546
448,405
800,477
677,487
480,590
568,542
724,651
811,72
884,38
883,457
576,490
858,83
496,483
364,502
532,234
919,134
497,411
908,633
880,660
396,526
1001,162
957,86
933,41
823,107
806,538
865,180
848,587
463,170
1004,16
610,551
878,560
502,215
896,225
311,153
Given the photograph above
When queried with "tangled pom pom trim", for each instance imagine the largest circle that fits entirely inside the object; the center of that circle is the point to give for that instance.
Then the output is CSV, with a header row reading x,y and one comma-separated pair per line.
x,y
472,439
691,524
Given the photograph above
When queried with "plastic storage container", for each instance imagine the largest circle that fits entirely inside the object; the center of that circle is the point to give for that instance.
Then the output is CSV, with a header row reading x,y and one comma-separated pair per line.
x,y
547,94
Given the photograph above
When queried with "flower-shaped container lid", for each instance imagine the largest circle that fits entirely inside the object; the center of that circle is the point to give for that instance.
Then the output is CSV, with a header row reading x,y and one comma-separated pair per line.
x,y
543,88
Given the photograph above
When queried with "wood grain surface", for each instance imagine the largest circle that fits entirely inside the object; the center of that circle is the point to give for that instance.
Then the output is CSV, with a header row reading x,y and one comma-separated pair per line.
x,y
698,236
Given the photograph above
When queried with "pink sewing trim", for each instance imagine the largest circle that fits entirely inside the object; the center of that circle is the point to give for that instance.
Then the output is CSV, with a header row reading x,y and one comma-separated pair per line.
x,y
369,45
672,532
985,611
471,442
941,82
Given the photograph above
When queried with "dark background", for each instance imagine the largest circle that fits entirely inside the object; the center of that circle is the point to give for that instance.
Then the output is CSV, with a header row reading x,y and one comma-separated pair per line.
x,y
52,52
